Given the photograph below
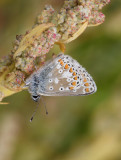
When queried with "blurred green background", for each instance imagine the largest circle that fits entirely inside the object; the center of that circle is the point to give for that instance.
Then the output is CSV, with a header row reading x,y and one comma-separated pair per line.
x,y
77,128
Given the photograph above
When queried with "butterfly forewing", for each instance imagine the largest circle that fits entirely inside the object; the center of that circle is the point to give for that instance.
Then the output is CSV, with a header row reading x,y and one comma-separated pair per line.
x,y
64,76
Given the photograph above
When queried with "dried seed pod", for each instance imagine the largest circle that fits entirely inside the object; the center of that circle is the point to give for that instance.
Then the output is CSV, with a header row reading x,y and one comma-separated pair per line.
x,y
4,63
35,45
14,80
46,16
30,37
96,19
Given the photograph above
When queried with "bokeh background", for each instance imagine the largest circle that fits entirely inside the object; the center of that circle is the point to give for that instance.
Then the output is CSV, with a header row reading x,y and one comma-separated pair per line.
x,y
77,128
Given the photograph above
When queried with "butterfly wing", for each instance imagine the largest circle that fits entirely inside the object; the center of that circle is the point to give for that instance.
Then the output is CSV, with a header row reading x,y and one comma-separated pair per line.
x,y
64,76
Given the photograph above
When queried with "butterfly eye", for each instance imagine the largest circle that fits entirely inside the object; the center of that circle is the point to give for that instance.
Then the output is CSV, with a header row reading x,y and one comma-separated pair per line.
x,y
36,98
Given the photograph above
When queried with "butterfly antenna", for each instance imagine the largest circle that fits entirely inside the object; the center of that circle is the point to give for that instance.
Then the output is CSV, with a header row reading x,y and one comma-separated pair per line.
x,y
44,104
34,112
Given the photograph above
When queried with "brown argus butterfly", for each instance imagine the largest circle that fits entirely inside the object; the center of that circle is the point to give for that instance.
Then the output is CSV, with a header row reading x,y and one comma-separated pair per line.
x,y
61,76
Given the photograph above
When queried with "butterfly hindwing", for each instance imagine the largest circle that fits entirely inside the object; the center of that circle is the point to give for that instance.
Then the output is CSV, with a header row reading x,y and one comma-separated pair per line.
x,y
64,76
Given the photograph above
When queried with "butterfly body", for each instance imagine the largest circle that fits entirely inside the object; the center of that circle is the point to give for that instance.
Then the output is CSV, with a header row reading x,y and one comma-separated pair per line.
x,y
62,76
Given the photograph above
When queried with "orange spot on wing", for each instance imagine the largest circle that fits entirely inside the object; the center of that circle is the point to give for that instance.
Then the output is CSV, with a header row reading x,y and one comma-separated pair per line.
x,y
73,83
59,60
66,66
75,78
86,84
71,88
71,70
85,80
61,63
87,89
74,73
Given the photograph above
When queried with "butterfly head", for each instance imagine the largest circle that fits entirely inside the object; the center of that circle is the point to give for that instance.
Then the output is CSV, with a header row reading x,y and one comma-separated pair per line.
x,y
36,98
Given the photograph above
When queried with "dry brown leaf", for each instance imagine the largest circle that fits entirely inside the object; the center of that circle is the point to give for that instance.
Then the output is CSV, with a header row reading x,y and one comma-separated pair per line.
x,y
77,34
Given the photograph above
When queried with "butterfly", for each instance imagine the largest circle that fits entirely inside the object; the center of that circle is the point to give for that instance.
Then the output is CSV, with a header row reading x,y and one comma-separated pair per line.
x,y
61,76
